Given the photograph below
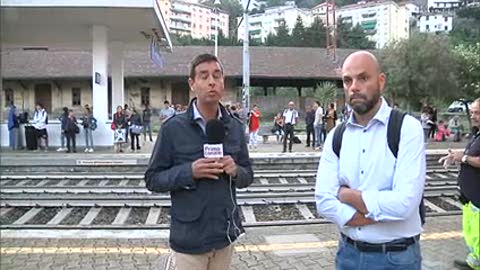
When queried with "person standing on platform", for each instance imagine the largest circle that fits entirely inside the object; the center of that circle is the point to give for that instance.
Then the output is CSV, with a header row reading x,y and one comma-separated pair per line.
x,y
40,121
370,191
318,125
71,130
119,126
166,112
205,220
253,127
63,122
147,122
290,119
13,127
309,120
469,182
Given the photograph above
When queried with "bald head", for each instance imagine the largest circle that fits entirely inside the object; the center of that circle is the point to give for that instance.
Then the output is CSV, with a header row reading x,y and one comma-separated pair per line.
x,y
363,82
364,58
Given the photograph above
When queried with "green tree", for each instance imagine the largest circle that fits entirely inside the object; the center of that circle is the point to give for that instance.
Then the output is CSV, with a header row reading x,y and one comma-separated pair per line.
x,y
282,37
298,33
419,69
352,37
468,69
466,26
227,41
315,35
326,92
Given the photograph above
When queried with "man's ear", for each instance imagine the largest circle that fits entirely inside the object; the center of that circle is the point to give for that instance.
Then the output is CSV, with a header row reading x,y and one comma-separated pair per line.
x,y
382,79
191,84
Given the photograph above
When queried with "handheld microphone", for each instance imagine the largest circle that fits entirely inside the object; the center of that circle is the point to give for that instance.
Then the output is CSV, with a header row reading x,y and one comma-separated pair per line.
x,y
215,130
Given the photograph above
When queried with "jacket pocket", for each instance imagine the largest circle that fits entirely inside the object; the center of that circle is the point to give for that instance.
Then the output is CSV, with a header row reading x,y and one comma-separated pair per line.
x,y
189,224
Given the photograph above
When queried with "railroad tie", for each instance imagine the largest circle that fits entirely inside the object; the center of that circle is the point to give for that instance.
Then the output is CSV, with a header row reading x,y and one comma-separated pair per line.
x,y
248,214
82,183
153,215
433,206
263,181
122,216
452,202
90,216
27,216
282,180
4,211
302,180
123,183
42,183
305,211
60,216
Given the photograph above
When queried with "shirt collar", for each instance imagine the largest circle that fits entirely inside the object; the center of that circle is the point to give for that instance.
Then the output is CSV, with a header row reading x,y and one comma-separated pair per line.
x,y
198,116
381,116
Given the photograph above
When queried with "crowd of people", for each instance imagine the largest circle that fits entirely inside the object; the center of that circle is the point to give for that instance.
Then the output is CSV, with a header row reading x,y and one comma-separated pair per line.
x,y
440,130
127,123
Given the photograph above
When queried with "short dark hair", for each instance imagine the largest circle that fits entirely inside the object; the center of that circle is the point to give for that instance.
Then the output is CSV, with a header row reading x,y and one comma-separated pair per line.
x,y
202,58
166,102
318,102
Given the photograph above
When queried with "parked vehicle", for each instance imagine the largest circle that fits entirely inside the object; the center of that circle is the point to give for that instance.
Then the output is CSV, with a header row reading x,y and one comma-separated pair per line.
x,y
458,106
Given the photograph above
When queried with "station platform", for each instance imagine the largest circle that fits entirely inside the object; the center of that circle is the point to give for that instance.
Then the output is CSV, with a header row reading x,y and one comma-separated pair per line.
x,y
268,248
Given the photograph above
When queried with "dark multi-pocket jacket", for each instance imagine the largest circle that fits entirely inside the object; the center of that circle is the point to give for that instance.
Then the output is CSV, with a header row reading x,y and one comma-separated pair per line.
x,y
204,214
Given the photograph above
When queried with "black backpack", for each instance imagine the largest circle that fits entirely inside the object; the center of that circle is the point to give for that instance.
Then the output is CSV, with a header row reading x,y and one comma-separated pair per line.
x,y
394,129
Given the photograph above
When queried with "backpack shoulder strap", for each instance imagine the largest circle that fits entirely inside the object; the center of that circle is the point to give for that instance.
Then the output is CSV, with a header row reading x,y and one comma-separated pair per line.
x,y
394,129
337,138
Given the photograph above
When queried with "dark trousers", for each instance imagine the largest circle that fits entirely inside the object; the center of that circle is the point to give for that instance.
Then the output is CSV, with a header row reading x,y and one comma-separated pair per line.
x,y
133,138
432,131
288,129
71,138
310,131
147,126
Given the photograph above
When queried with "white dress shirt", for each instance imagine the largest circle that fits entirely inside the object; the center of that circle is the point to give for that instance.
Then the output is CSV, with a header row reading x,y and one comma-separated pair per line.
x,y
39,119
290,116
391,188
318,116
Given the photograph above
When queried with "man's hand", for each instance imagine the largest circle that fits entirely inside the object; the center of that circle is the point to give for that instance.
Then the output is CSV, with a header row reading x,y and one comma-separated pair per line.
x,y
229,166
451,158
359,220
209,168
353,198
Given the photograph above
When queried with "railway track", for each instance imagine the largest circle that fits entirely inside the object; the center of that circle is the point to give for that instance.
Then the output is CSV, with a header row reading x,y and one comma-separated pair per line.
x,y
94,201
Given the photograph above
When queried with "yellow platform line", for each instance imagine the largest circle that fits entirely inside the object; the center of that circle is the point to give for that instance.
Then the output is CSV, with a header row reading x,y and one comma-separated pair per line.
x,y
164,250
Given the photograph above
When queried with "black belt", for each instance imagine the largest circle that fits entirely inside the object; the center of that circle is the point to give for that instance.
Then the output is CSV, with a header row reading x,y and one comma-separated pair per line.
x,y
396,245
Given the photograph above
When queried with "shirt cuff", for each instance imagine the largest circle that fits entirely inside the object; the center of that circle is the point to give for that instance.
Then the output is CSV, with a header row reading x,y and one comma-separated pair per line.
x,y
370,198
344,214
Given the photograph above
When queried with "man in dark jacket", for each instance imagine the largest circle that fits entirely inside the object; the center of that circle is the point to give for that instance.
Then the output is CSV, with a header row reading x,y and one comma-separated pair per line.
x,y
309,119
13,126
469,183
204,214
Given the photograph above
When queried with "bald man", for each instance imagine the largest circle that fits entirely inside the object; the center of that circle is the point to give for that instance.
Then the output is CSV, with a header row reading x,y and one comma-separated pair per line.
x,y
369,194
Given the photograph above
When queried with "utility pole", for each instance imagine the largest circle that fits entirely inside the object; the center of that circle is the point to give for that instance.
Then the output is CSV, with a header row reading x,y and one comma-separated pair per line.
x,y
331,31
216,13
246,61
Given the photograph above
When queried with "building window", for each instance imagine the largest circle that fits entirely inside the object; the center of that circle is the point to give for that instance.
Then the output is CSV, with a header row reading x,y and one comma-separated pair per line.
x,y
427,18
76,96
446,19
446,28
8,97
145,94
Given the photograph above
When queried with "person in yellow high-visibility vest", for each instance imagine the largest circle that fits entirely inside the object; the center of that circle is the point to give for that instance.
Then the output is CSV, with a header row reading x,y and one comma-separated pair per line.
x,y
469,181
